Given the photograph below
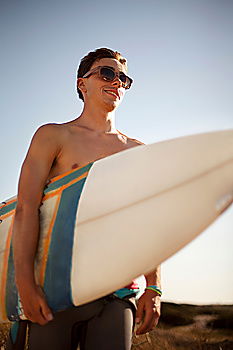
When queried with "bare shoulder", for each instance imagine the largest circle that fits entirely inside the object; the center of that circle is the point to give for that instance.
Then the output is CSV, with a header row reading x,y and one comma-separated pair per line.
x,y
50,133
50,129
135,142
46,141
132,142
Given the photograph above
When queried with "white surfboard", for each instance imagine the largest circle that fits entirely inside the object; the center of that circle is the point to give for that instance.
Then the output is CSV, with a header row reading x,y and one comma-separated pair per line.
x,y
154,200
121,216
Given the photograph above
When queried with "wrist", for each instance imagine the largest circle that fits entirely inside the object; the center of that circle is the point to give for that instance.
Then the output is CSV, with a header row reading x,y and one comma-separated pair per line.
x,y
154,289
25,284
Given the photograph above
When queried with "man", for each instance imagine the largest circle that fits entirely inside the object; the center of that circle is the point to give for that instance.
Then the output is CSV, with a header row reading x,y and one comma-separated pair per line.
x,y
55,149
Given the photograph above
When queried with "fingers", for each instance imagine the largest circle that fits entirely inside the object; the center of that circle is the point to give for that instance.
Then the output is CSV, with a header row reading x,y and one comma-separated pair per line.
x,y
149,322
45,311
35,315
147,314
35,307
147,326
139,313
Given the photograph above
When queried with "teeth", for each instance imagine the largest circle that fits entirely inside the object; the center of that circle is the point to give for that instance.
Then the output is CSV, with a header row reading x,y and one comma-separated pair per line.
x,y
112,93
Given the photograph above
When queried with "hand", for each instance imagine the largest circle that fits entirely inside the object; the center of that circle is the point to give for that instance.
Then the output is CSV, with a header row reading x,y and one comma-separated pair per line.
x,y
148,311
35,307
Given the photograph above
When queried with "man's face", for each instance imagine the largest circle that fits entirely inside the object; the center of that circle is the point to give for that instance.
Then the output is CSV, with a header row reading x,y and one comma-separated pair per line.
x,y
107,94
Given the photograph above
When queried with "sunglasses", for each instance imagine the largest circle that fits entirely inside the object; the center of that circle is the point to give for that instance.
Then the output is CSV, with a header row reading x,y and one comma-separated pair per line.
x,y
109,74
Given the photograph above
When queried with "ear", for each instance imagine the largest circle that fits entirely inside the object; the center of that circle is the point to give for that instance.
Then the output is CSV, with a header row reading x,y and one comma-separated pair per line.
x,y
81,85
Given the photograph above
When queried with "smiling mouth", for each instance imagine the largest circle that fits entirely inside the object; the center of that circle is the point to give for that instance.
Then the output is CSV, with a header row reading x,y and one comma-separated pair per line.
x,y
112,93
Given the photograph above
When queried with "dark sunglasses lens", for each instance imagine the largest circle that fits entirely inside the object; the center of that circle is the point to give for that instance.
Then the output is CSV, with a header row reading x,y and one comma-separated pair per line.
x,y
123,77
107,73
125,80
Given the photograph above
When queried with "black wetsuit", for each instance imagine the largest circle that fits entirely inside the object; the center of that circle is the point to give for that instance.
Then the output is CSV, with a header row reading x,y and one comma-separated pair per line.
x,y
104,324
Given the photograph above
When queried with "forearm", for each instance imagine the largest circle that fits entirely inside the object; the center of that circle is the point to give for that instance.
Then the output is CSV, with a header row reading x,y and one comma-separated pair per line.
x,y
25,240
154,277
148,306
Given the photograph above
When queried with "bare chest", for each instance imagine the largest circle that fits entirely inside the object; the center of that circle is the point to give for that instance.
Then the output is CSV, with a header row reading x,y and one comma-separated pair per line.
x,y
79,150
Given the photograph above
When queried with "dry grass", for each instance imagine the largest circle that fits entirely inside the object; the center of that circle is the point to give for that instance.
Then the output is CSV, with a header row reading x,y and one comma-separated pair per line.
x,y
190,327
181,327
173,339
4,330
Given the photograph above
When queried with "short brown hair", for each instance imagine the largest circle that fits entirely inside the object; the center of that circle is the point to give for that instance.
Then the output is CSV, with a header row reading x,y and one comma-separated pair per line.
x,y
88,60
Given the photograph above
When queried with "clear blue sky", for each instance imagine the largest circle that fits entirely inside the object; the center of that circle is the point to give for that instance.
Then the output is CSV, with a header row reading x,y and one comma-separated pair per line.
x,y
180,55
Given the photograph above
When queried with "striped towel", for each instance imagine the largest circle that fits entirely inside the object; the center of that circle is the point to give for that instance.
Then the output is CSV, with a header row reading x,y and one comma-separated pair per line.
x,y
58,213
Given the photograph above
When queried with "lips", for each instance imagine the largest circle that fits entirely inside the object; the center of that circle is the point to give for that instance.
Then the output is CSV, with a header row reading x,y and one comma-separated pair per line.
x,y
113,92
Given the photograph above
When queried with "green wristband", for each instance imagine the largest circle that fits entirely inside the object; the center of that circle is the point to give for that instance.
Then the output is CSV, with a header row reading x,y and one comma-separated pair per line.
x,y
155,289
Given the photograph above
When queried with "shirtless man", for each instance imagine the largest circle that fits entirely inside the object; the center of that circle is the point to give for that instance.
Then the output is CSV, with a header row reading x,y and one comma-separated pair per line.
x,y
54,150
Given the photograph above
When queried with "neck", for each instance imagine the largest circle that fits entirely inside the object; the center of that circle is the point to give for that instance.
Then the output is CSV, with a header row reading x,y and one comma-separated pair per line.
x,y
97,119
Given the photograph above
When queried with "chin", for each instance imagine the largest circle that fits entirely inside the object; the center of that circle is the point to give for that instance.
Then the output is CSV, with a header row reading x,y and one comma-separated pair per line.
x,y
111,106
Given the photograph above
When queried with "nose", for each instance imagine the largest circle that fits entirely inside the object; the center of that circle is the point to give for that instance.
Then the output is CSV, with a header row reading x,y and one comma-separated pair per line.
x,y
117,82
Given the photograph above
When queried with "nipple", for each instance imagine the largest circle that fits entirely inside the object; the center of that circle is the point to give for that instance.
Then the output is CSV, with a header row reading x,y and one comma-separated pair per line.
x,y
74,166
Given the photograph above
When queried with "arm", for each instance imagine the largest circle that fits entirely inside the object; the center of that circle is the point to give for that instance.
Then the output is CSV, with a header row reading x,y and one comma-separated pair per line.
x,y
148,310
41,154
